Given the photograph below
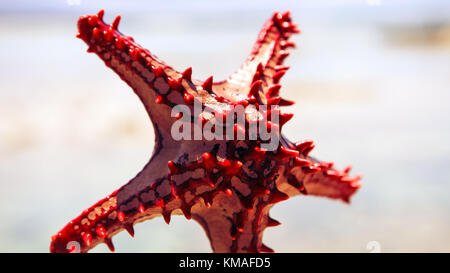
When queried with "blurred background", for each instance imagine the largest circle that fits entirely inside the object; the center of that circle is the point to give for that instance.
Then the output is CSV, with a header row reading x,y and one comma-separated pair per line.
x,y
371,79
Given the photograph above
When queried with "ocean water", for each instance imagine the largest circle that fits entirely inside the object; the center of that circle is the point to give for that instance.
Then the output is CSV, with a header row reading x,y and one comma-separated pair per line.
x,y
371,82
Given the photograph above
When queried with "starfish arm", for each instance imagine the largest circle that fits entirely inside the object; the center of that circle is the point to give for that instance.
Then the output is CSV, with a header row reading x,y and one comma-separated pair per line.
x,y
321,179
264,63
155,191
158,86
236,229
309,176
95,225
119,211
330,182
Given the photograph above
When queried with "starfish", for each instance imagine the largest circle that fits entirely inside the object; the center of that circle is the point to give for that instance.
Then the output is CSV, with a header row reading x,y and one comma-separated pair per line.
x,y
227,185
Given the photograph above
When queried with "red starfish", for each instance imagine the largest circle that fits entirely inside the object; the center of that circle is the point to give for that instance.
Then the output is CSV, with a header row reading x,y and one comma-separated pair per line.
x,y
228,186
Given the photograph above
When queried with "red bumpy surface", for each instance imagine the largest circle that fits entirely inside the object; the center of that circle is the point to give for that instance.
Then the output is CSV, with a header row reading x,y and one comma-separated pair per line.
x,y
228,186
